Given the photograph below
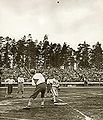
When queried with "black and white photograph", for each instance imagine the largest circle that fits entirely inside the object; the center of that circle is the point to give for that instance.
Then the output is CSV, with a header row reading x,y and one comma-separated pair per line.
x,y
51,59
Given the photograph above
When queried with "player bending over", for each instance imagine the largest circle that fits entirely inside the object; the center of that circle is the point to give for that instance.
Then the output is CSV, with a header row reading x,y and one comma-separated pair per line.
x,y
54,88
49,86
38,80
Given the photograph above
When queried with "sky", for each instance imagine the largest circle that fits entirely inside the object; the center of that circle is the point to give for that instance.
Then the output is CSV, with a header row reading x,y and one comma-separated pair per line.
x,y
70,21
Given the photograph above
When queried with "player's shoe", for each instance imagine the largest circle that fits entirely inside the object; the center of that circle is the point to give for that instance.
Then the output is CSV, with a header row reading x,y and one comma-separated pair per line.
x,y
23,96
55,102
60,103
42,104
27,107
29,104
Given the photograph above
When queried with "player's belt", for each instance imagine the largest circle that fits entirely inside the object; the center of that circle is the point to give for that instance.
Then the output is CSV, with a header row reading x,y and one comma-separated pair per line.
x,y
41,83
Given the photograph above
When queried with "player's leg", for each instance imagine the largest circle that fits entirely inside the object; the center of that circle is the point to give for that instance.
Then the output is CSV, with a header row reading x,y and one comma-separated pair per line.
x,y
19,90
54,94
9,90
22,90
30,102
49,86
33,96
43,90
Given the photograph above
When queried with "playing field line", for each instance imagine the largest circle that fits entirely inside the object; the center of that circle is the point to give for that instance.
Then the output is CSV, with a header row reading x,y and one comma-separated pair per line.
x,y
10,118
7,102
82,87
85,116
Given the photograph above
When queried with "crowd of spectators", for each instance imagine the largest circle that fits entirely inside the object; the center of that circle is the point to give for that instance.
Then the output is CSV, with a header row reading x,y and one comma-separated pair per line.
x,y
63,75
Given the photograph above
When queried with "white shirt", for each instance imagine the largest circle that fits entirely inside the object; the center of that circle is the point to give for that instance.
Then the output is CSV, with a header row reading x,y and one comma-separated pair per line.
x,y
53,81
49,81
20,80
10,81
37,79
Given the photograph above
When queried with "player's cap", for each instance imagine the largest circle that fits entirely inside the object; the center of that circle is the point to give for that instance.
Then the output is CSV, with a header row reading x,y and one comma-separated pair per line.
x,y
32,71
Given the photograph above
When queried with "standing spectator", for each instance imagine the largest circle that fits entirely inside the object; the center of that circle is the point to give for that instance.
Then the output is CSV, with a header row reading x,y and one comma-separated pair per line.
x,y
0,76
20,84
10,82
85,80
39,81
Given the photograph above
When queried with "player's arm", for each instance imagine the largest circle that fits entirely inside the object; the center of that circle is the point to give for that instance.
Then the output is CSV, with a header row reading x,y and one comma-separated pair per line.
x,y
34,81
57,84
13,81
7,80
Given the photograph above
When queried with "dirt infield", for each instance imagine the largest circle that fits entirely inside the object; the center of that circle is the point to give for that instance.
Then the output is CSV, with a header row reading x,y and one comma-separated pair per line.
x,y
82,104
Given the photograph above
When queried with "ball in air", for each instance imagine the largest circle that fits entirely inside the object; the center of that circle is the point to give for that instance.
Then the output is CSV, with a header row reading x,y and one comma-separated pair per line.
x,y
57,1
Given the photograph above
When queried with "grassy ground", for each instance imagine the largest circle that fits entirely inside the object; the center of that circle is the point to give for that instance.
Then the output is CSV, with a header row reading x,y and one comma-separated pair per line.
x,y
83,103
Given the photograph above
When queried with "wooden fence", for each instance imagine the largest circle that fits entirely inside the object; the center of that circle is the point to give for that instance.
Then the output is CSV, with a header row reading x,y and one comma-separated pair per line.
x,y
64,84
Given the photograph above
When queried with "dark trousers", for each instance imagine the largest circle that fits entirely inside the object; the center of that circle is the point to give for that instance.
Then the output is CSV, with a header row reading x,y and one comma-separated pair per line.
x,y
41,88
10,88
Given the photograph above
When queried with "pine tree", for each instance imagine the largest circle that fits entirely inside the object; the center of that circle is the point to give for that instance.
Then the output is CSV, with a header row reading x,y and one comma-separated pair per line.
x,y
96,56
82,55
45,51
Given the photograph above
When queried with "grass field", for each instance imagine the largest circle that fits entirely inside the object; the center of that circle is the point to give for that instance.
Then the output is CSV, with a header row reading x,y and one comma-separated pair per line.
x,y
82,104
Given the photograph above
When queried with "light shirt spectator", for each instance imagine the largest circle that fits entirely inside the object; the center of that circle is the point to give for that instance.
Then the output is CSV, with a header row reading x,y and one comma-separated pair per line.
x,y
10,81
20,80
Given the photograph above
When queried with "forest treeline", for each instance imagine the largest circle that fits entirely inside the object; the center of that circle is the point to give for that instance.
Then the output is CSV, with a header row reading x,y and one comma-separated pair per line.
x,y
33,54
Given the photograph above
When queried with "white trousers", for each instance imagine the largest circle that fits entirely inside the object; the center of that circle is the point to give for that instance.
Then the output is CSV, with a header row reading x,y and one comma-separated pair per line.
x,y
54,91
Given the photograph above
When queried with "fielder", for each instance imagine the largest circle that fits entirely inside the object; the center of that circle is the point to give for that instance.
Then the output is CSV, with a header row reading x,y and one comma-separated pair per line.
x,y
39,81
20,85
53,87
49,86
